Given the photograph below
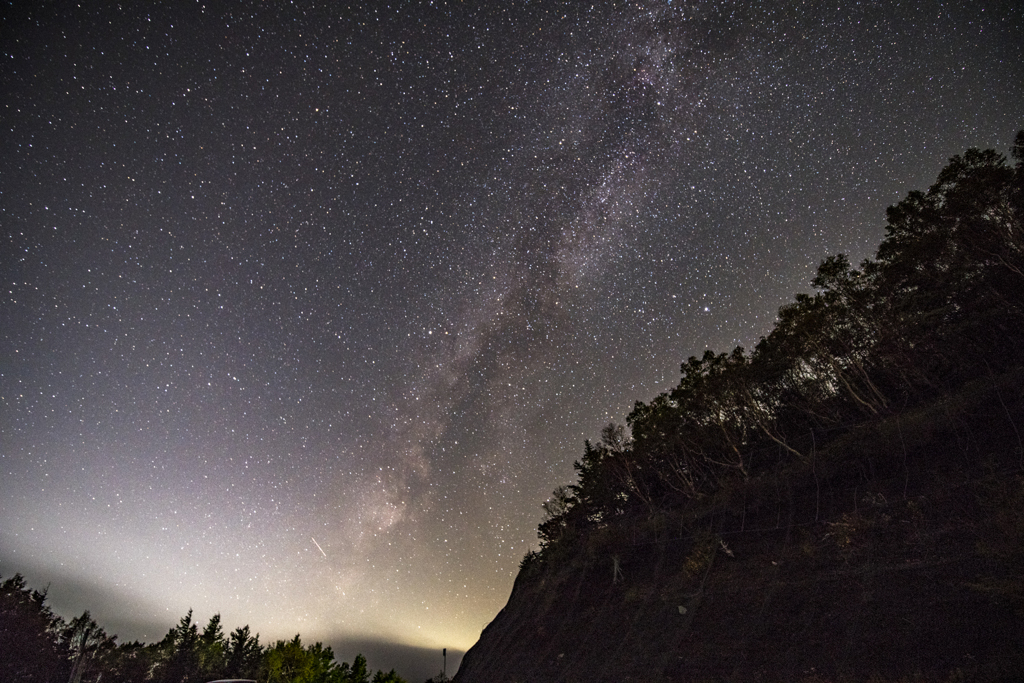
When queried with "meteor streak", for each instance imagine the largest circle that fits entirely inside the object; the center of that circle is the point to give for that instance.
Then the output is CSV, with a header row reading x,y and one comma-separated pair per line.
x,y
318,547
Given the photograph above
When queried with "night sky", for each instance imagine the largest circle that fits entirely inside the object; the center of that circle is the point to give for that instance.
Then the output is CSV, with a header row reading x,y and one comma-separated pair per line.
x,y
307,307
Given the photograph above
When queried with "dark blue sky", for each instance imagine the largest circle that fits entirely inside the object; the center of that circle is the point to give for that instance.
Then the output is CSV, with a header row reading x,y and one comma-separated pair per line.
x,y
308,307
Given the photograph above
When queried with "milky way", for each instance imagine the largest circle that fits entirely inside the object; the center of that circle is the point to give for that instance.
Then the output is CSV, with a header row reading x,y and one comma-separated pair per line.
x,y
308,308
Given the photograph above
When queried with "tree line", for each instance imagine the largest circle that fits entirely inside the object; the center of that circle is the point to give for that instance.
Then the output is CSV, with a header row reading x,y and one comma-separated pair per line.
x,y
39,646
940,304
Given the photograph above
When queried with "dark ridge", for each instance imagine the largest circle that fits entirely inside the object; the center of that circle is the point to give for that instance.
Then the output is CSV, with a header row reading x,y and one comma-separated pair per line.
x,y
845,503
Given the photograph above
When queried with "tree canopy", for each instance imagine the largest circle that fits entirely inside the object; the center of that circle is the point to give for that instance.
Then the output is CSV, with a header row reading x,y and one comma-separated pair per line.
x,y
941,302
38,646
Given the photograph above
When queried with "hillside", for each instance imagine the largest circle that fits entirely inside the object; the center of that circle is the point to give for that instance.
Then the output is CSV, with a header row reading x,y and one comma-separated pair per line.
x,y
845,503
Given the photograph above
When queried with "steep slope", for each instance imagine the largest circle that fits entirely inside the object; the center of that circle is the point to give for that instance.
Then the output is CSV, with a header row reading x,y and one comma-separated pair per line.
x,y
846,502
836,573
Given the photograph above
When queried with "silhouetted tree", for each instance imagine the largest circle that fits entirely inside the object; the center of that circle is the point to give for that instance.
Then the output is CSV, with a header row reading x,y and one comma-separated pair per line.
x,y
87,646
178,654
31,649
556,510
128,663
940,303
244,655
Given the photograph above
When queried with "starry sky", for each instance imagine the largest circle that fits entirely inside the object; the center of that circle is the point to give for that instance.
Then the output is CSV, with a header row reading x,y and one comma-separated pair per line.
x,y
307,307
